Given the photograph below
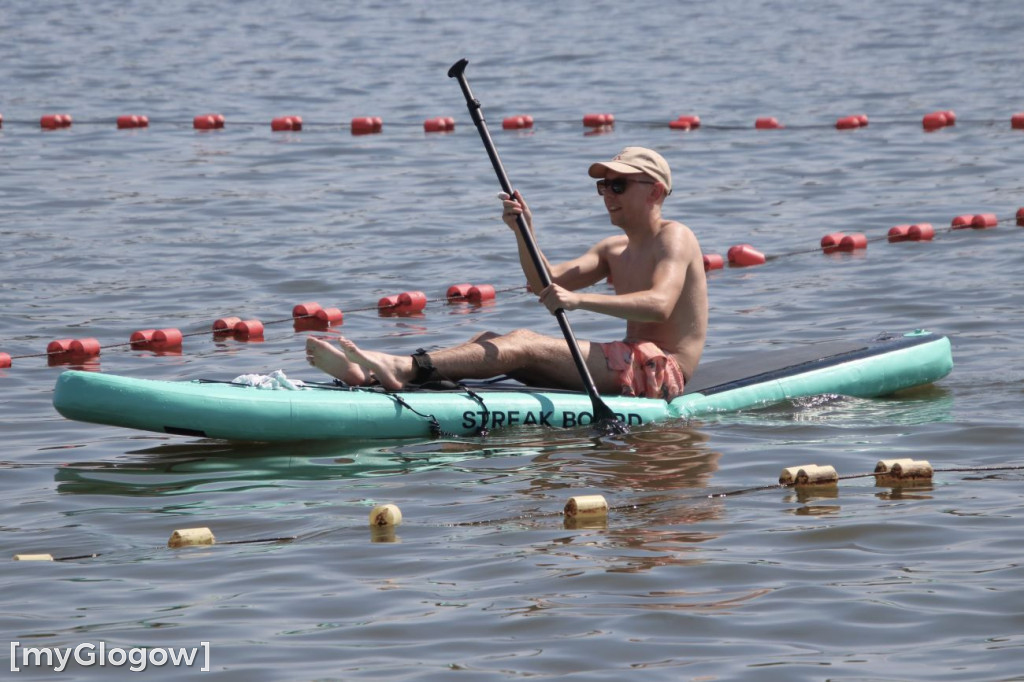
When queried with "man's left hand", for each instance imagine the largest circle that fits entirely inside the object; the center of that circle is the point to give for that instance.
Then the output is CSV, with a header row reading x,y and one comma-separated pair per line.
x,y
555,297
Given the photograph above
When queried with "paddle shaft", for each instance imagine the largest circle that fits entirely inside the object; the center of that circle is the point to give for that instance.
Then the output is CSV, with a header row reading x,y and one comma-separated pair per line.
x,y
601,411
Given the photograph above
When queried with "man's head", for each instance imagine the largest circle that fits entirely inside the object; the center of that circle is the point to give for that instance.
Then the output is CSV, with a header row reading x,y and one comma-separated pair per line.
x,y
637,160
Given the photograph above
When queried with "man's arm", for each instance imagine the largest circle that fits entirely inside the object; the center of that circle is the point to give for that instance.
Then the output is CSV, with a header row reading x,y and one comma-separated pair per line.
x,y
577,273
655,304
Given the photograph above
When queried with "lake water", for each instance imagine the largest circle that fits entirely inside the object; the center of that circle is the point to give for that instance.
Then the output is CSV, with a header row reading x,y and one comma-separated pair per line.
x,y
108,231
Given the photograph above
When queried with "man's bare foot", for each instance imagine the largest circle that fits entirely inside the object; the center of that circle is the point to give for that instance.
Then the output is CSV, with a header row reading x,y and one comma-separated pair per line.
x,y
392,371
325,357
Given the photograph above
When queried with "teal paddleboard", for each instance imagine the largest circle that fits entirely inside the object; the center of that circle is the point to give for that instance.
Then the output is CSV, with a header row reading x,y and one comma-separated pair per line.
x,y
236,412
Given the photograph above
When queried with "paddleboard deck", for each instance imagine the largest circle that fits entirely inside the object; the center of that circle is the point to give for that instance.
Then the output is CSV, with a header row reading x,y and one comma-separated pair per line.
x,y
236,412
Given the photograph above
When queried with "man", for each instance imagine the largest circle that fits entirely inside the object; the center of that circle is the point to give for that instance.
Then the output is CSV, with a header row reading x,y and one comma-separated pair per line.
x,y
655,267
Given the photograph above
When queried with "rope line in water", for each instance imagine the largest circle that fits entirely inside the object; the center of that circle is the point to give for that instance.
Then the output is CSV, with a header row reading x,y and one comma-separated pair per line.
x,y
74,351
595,123
62,351
587,511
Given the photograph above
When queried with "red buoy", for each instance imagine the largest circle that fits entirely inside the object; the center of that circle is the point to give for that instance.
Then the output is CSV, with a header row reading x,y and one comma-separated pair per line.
x,y
899,233
480,293
1020,216
141,339
692,120
5,360
743,255
74,348
54,121
848,122
852,242
962,221
934,121
713,261
387,303
403,303
166,339
921,232
458,292
208,122
330,316
441,124
85,348
286,123
248,330
984,220
411,302
362,125
767,123
225,325
1017,121
306,309
830,242
598,120
58,346
132,121
517,122
679,125
64,351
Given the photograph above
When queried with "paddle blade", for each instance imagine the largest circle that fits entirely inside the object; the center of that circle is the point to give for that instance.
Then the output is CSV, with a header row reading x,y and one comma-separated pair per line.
x,y
605,422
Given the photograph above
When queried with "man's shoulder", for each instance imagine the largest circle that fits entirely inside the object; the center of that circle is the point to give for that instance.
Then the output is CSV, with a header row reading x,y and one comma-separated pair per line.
x,y
675,232
674,227
614,242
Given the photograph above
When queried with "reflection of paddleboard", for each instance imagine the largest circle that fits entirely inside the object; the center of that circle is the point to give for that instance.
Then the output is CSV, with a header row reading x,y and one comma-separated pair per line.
x,y
187,467
244,413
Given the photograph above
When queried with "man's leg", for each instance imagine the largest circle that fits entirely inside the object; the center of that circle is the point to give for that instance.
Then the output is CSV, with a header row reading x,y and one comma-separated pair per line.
x,y
532,358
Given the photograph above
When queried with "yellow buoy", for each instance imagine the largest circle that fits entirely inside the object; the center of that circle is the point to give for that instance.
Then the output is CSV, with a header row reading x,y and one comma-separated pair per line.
x,y
188,537
808,474
385,515
586,505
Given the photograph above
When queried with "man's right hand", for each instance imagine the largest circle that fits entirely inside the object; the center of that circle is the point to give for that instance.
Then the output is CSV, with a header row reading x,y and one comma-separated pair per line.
x,y
511,207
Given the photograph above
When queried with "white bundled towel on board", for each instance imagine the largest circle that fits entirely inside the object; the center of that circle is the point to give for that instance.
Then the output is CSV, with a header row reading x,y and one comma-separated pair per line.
x,y
276,380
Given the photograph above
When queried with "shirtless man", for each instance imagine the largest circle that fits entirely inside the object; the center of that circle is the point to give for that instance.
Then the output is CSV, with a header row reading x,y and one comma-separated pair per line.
x,y
656,269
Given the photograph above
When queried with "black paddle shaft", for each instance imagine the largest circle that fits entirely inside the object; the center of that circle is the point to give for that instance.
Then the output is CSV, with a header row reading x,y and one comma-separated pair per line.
x,y
602,413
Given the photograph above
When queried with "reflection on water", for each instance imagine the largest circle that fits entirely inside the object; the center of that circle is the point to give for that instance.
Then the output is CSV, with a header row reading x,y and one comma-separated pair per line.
x,y
182,468
667,459
909,490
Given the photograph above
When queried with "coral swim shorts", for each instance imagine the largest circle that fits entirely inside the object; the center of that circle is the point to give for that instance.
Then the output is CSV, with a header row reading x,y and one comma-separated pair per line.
x,y
644,369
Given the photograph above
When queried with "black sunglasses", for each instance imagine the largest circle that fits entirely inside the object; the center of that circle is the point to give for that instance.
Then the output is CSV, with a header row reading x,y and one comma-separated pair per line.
x,y
618,185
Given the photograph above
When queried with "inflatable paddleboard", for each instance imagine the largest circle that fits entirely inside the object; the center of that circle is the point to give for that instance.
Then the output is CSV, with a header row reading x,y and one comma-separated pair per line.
x,y
237,412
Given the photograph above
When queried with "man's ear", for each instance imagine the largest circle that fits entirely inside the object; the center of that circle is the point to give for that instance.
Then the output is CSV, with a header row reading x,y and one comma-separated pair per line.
x,y
657,193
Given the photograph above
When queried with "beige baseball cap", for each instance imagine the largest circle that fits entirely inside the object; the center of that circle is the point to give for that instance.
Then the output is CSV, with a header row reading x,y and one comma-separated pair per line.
x,y
637,160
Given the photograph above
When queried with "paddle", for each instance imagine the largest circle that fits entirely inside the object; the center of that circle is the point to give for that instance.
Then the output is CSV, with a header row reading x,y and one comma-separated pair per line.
x,y
604,418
